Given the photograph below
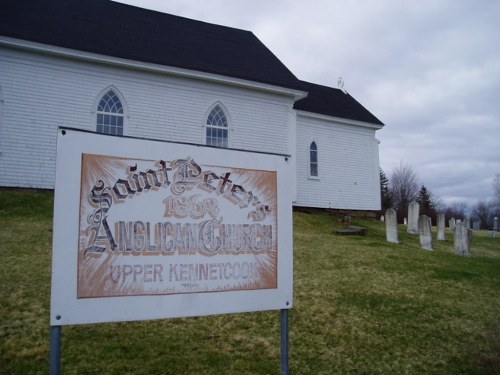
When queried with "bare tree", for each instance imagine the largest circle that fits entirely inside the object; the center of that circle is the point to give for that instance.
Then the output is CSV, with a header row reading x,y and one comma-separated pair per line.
x,y
482,211
456,210
404,188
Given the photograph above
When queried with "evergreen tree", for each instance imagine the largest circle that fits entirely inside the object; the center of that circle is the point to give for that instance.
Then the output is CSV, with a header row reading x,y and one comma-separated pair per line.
x,y
425,198
385,192
426,203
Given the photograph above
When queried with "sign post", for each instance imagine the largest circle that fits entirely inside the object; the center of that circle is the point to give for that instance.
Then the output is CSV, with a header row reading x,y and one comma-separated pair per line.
x,y
285,367
55,350
146,229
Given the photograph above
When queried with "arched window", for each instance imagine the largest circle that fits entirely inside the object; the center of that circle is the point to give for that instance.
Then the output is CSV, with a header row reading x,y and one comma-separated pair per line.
x,y
313,160
110,114
217,128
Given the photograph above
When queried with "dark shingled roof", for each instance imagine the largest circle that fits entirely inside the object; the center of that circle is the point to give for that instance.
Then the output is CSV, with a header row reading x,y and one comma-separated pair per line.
x,y
119,30
333,102
114,29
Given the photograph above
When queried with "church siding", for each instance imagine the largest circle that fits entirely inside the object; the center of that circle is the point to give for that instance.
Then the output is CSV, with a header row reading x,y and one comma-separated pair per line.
x,y
348,165
41,93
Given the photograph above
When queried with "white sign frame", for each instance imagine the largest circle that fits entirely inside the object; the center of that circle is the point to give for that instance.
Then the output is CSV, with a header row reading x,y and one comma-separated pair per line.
x,y
66,306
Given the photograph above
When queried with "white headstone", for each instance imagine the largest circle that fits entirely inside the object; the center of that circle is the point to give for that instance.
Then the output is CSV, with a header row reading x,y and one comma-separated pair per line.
x,y
440,227
425,232
405,221
413,214
452,224
391,226
493,233
382,218
463,239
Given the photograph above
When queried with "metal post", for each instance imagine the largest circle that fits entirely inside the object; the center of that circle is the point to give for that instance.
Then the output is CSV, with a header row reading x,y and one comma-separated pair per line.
x,y
284,342
55,350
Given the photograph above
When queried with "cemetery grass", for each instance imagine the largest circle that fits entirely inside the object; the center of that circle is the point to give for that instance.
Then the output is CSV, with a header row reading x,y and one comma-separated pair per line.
x,y
361,306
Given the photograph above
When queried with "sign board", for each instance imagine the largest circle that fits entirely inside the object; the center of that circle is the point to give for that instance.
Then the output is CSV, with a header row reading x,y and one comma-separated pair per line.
x,y
148,230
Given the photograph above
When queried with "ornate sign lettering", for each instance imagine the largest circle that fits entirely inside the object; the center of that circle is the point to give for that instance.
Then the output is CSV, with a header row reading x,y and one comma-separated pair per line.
x,y
159,227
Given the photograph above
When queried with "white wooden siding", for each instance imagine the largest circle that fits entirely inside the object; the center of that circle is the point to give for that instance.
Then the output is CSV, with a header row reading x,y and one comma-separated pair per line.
x,y
41,93
348,165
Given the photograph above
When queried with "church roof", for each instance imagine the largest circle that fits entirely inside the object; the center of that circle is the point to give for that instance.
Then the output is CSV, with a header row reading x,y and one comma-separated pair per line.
x,y
333,102
124,31
114,29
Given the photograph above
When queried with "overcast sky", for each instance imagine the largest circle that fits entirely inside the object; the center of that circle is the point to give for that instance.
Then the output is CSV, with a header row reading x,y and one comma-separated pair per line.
x,y
428,69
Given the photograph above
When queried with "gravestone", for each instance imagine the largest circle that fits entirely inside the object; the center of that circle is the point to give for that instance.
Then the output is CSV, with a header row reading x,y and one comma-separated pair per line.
x,y
413,214
405,221
495,227
440,227
382,218
463,239
467,223
476,224
391,226
452,224
425,232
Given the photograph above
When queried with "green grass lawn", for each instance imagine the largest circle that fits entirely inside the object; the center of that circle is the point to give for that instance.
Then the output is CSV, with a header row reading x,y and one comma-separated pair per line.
x,y
361,306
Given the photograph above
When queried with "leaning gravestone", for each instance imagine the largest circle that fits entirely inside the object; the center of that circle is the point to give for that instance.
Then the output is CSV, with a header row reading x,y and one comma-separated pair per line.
x,y
425,232
463,239
391,226
413,213
440,227
452,224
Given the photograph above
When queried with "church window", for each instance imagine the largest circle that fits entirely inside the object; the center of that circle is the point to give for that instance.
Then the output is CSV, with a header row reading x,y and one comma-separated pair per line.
x,y
313,159
217,129
110,114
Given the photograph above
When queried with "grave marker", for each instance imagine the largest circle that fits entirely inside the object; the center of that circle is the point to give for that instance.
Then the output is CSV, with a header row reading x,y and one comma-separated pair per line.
x,y
425,232
413,214
452,224
440,227
463,239
391,226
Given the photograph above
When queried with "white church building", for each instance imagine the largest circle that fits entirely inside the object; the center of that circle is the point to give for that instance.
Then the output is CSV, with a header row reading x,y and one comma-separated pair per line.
x,y
107,67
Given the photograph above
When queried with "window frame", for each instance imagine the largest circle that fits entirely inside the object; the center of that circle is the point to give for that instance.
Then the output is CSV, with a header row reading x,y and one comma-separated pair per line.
x,y
113,115
224,129
312,163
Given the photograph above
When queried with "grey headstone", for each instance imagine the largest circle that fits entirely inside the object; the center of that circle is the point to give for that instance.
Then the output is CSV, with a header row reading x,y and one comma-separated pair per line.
x,y
463,239
495,224
476,224
405,221
452,224
391,226
467,223
440,227
382,218
425,232
413,214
